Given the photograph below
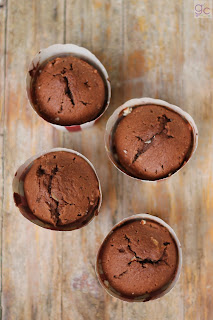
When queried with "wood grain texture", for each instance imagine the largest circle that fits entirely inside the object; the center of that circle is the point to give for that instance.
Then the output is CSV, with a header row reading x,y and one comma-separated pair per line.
x,y
2,103
31,256
150,48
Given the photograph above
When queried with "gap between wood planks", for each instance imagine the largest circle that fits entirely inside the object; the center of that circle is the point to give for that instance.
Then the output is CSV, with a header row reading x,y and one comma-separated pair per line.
x,y
3,6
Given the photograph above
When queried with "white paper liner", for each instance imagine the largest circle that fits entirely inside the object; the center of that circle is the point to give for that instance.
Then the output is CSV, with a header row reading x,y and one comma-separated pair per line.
x,y
146,297
57,50
21,202
126,108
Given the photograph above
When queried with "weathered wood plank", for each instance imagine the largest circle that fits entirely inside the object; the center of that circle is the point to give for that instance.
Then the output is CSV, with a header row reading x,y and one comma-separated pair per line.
x,y
96,25
31,255
2,91
153,69
198,226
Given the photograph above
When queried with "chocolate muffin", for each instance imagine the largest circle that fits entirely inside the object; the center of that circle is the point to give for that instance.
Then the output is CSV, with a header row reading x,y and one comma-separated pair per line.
x,y
139,258
61,188
152,142
68,91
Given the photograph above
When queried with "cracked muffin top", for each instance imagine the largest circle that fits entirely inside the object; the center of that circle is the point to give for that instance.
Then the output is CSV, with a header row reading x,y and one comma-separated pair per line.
x,y
152,142
62,188
68,91
138,258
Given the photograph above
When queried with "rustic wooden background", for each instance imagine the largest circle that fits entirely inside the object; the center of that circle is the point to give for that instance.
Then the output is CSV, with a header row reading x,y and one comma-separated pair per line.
x,y
150,48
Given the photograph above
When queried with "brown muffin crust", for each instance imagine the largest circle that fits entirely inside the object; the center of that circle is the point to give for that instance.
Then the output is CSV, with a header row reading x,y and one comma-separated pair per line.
x,y
61,188
68,91
152,142
139,257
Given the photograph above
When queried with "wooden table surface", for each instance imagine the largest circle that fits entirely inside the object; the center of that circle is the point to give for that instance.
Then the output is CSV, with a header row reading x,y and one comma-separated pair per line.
x,y
152,49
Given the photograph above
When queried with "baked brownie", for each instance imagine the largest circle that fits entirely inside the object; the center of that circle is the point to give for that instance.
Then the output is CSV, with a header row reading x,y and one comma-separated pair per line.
x,y
61,188
68,91
138,258
152,142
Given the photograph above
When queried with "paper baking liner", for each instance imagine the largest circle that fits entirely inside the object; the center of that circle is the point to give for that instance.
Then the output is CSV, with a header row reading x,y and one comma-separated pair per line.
x,y
57,50
146,297
21,202
124,110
